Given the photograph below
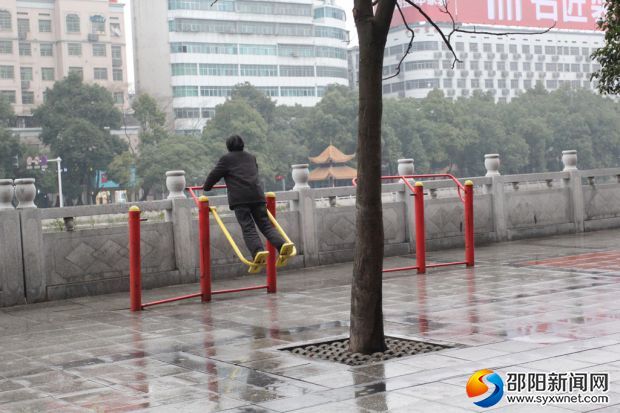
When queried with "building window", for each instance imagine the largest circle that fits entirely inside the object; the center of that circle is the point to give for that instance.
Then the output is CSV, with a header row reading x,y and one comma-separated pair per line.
x,y
45,26
552,84
514,83
208,113
184,91
6,47
77,71
501,83
447,83
187,113
213,69
46,49
488,65
27,98
329,71
9,95
475,83
97,24
23,27
259,70
184,69
488,83
215,91
269,90
296,71
425,83
514,66
525,48
47,73
527,66
332,32
527,84
74,49
293,50
117,56
73,23
333,52
501,65
257,49
119,98
117,75
5,21
329,12
487,48
473,47
115,29
512,48
101,73
25,73
99,50
460,46
460,83
205,48
297,91
499,48
25,49
550,49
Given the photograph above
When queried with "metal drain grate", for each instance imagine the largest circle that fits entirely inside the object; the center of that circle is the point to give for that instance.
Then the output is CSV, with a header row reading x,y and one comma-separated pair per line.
x,y
338,351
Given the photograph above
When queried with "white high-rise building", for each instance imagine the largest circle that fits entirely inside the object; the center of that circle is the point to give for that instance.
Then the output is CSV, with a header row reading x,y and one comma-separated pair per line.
x,y
189,54
505,65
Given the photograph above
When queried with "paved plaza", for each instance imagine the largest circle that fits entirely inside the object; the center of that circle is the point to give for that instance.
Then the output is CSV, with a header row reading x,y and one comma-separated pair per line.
x,y
543,305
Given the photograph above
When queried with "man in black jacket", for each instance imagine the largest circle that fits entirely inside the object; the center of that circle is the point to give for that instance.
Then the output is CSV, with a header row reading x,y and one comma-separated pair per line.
x,y
245,195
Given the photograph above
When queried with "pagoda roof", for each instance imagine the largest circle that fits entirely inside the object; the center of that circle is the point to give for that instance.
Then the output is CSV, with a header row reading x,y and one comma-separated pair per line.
x,y
334,172
331,154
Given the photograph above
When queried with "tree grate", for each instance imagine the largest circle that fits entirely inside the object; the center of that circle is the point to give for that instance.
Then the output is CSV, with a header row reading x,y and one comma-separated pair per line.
x,y
338,351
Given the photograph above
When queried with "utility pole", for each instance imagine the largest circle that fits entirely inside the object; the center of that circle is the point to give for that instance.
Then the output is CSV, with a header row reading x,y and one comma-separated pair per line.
x,y
58,160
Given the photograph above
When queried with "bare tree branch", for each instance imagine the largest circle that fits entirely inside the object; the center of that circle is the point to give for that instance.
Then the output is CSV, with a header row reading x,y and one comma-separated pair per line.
x,y
408,46
456,28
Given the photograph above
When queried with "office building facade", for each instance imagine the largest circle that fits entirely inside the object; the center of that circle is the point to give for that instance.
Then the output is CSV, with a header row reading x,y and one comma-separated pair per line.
x,y
42,41
502,65
190,54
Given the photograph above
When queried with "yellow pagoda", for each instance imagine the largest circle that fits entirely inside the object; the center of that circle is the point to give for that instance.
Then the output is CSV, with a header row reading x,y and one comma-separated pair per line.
x,y
330,169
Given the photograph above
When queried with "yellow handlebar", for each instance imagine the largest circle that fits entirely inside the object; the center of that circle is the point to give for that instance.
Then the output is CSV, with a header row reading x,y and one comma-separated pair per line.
x,y
230,239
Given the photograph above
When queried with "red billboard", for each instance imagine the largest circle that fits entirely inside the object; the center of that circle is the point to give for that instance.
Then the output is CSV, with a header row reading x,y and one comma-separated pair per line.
x,y
566,14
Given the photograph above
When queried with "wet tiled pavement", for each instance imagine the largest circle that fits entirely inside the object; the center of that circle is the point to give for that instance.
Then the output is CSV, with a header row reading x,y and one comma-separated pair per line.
x,y
529,306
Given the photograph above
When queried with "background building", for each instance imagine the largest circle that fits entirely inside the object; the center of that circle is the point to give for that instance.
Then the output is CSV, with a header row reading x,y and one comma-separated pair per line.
x,y
506,65
42,41
189,54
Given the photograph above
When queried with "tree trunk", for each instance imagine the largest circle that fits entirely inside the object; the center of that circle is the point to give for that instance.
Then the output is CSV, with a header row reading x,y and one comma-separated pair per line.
x,y
366,333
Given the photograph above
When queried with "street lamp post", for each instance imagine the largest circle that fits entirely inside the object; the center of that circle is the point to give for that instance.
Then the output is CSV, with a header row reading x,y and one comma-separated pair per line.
x,y
58,160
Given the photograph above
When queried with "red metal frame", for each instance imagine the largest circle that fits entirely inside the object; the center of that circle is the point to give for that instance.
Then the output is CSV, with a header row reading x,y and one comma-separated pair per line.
x,y
420,235
205,256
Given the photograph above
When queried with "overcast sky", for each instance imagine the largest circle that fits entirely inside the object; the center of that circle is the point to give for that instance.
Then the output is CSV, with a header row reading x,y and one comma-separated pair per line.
x,y
346,4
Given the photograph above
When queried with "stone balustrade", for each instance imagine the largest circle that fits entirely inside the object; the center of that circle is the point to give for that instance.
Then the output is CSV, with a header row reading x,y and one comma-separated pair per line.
x,y
42,262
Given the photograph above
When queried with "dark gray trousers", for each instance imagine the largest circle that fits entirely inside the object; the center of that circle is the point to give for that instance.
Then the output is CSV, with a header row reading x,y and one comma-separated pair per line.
x,y
248,216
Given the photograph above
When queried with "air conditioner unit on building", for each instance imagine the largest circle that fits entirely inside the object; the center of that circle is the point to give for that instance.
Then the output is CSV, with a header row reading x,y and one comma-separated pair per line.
x,y
450,73
505,92
438,73
542,74
505,73
579,58
518,75
437,55
555,58
492,72
478,73
464,92
580,75
477,55
529,56
22,35
541,58
92,37
463,56
451,92
530,75
504,56
491,55
25,84
556,75
464,73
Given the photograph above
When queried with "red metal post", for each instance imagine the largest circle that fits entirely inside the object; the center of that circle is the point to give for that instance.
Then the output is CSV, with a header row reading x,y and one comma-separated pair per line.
x,y
420,232
469,223
135,276
205,249
271,260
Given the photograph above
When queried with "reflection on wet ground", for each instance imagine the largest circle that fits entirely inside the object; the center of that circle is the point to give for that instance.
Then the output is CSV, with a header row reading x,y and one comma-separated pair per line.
x,y
539,305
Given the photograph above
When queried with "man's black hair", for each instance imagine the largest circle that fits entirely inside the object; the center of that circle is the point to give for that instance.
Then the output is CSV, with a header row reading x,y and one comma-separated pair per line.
x,y
234,143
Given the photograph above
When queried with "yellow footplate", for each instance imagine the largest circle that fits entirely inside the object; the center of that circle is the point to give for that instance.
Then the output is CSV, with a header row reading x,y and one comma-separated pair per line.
x,y
287,251
259,262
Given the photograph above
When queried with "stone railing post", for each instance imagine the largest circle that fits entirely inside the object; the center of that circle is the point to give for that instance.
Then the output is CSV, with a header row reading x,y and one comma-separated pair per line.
x,y
35,274
6,194
175,183
496,190
573,183
25,191
306,207
300,175
12,268
406,167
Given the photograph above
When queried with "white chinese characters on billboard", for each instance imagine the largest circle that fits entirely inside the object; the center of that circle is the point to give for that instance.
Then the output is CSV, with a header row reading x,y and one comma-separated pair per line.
x,y
564,14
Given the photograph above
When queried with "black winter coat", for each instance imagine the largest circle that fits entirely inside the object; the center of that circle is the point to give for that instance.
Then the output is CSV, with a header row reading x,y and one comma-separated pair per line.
x,y
240,172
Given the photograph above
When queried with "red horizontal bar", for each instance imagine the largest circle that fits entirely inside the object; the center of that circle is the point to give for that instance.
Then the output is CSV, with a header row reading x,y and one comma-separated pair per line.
x,y
401,269
445,264
236,290
170,300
